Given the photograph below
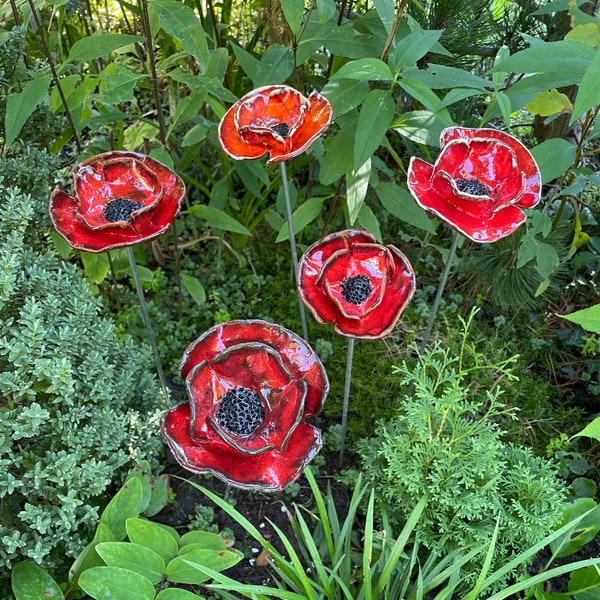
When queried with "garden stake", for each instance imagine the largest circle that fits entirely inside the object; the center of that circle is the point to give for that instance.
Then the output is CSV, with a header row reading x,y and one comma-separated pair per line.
x,y
288,209
349,356
146,318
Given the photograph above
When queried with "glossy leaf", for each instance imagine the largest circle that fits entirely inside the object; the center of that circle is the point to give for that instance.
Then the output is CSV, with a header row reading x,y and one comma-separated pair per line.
x,y
218,218
326,10
293,11
357,183
206,539
88,557
275,66
413,47
554,157
187,567
31,582
385,10
398,202
177,594
153,536
366,69
99,45
115,583
588,95
375,117
345,94
549,102
193,286
126,503
19,107
133,557
305,214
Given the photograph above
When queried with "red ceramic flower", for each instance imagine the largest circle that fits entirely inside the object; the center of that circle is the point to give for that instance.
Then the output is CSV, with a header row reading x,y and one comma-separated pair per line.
x,y
360,286
250,385
276,119
120,199
480,183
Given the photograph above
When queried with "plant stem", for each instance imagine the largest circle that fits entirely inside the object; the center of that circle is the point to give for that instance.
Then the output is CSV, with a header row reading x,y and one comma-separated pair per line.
x,y
349,356
288,209
146,318
440,291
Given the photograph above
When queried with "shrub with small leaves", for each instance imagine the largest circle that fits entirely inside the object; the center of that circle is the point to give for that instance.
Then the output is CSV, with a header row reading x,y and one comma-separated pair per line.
x,y
78,404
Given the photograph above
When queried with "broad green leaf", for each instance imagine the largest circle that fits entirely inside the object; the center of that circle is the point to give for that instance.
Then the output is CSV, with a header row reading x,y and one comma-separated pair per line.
x,y
248,62
117,84
588,33
367,69
31,582
413,47
153,536
549,102
503,101
95,266
195,135
547,259
427,97
181,22
159,496
375,117
193,286
187,567
584,584
293,11
357,184
63,247
177,594
134,557
420,126
588,318
143,472
550,57
99,45
19,107
88,557
326,9
115,583
554,157
339,155
218,218
457,95
588,95
306,213
444,77
398,202
592,430
345,94
386,12
126,503
367,220
187,109
276,65
206,539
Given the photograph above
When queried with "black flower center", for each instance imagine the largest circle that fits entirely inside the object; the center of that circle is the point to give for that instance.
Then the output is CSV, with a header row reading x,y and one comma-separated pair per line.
x,y
472,186
240,411
356,289
282,129
120,209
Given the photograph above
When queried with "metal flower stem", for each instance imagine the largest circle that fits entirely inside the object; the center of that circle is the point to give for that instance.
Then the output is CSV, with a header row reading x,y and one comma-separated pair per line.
x,y
146,318
288,209
349,356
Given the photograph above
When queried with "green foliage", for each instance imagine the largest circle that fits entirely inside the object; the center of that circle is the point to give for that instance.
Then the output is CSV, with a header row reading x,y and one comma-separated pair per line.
x,y
76,401
445,441
131,556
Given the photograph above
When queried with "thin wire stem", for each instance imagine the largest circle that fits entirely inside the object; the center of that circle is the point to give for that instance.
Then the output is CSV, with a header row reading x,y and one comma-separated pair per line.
x,y
346,401
146,318
288,210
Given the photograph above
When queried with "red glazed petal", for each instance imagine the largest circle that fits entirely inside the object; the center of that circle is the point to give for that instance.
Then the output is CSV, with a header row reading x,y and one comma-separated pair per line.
x,y
270,471
255,367
297,356
368,260
232,141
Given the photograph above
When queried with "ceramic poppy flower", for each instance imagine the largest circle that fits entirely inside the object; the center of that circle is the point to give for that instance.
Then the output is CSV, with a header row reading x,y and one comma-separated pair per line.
x,y
120,199
275,119
359,285
250,385
480,183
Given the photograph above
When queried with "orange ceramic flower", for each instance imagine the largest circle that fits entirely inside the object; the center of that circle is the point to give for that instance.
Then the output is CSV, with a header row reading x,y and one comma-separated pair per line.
x,y
275,119
360,286
480,183
250,385
120,199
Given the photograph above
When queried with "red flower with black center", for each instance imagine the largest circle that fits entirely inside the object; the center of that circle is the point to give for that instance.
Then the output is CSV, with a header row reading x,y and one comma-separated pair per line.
x,y
275,119
359,285
480,183
250,385
120,199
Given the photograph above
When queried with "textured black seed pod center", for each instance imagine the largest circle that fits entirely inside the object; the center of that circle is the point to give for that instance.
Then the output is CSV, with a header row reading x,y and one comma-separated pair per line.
x,y
473,187
240,411
356,289
120,209
282,129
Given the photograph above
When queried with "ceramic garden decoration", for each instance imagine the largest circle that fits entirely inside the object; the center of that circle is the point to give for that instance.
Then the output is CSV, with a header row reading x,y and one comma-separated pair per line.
x,y
480,183
120,199
359,285
276,120
250,386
